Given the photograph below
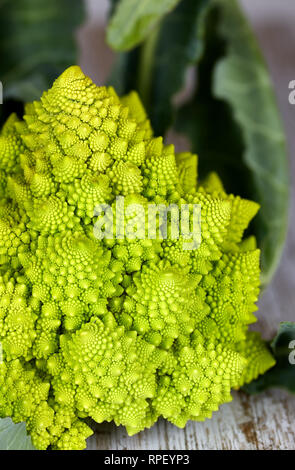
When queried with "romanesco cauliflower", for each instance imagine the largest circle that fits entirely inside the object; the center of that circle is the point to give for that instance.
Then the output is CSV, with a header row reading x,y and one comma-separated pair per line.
x,y
125,329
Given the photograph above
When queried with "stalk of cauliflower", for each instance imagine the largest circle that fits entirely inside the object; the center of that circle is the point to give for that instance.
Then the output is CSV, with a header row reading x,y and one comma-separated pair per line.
x,y
126,329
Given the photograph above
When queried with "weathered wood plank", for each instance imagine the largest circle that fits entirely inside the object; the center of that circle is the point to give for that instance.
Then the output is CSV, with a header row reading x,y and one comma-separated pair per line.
x,y
261,422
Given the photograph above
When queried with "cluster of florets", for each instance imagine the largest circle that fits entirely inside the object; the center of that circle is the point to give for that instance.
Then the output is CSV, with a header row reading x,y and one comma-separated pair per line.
x,y
115,329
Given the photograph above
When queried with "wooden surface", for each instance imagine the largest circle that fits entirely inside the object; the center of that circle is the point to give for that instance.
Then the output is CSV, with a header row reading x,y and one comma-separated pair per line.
x,y
262,422
265,421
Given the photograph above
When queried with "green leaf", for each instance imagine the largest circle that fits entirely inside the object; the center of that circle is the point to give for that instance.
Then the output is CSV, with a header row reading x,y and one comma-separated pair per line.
x,y
282,375
36,44
133,20
234,125
124,72
14,436
158,68
180,44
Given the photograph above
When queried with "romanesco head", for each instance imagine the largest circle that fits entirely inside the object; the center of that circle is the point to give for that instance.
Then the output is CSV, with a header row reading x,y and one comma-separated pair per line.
x,y
125,328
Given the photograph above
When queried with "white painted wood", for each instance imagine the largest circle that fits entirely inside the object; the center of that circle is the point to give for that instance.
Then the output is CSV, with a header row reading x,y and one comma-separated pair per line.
x,y
261,422
265,421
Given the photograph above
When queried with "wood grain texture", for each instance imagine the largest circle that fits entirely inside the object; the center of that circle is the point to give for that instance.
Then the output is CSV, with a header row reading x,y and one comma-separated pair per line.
x,y
258,422
262,422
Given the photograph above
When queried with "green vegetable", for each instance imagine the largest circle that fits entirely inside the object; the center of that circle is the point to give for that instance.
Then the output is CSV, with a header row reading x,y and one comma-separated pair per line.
x,y
231,119
14,436
126,329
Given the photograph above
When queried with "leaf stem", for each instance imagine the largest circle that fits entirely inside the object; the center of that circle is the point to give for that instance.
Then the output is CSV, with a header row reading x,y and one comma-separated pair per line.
x,y
146,63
